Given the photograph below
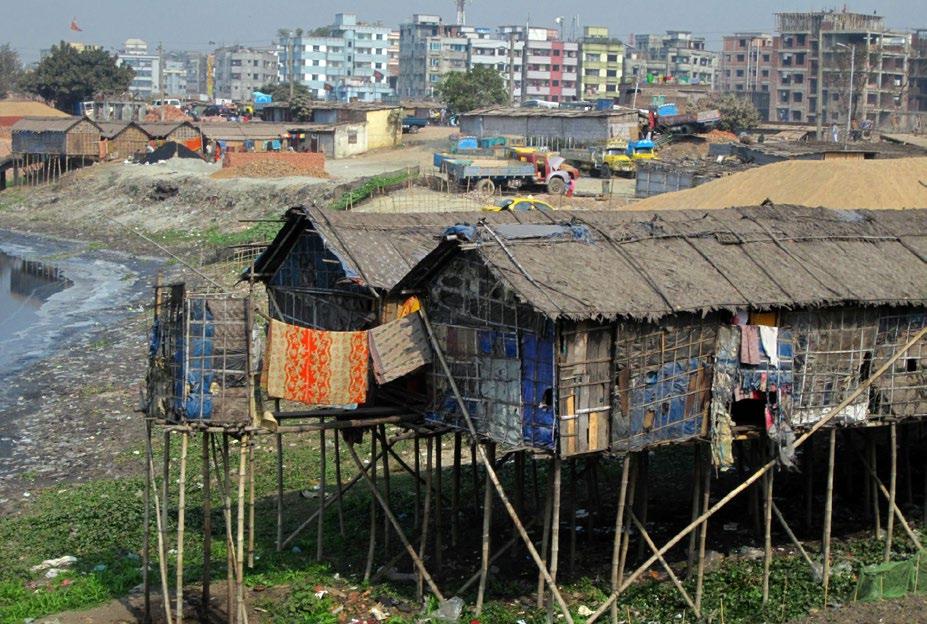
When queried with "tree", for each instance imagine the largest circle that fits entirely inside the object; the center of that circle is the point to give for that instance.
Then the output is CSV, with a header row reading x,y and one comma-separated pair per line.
x,y
737,113
67,77
11,69
475,88
280,91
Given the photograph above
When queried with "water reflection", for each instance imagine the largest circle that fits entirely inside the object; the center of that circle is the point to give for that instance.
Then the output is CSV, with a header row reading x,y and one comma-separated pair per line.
x,y
24,286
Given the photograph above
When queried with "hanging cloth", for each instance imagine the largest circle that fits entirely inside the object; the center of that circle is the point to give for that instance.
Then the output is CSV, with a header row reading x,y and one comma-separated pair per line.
x,y
769,337
750,345
398,348
315,367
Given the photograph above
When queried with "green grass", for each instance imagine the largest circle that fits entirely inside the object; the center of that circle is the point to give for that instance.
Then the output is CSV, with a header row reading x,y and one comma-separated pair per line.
x,y
12,198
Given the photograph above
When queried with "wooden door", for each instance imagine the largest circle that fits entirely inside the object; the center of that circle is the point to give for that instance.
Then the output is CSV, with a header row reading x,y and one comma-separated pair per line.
x,y
584,389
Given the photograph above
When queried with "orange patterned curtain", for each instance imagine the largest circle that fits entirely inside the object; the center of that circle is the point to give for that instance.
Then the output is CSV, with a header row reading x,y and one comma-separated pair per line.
x,y
315,367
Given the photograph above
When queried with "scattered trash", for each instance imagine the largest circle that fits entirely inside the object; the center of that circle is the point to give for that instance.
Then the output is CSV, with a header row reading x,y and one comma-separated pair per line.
x,y
731,526
320,594
60,562
584,611
100,567
378,612
449,610
296,550
750,553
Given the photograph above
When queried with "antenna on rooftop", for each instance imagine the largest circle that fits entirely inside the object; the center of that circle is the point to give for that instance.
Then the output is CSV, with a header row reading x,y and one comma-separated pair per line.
x,y
461,11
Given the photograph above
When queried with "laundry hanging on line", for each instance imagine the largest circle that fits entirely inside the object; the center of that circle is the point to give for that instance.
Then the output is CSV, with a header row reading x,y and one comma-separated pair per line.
x,y
315,367
398,348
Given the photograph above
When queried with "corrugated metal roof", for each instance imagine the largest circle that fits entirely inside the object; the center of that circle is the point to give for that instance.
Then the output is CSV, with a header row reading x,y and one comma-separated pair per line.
x,y
651,265
47,124
516,111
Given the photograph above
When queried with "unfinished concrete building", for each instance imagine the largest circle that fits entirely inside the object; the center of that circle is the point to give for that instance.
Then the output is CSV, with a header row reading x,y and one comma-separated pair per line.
x,y
816,53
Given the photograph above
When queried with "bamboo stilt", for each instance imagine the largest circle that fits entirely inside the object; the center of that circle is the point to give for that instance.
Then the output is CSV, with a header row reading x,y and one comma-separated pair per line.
x,y
240,552
339,500
405,542
426,512
520,483
871,484
892,484
384,443
372,543
207,529
165,487
545,536
320,527
495,556
645,538
229,542
455,492
474,471
767,531
439,503
146,520
696,502
572,557
487,526
795,540
537,488
619,530
629,505
703,529
251,504
181,523
808,471
644,502
279,458
828,508
554,533
418,482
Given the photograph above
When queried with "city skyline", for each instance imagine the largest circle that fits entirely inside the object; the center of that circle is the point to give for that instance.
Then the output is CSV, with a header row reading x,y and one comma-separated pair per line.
x,y
32,27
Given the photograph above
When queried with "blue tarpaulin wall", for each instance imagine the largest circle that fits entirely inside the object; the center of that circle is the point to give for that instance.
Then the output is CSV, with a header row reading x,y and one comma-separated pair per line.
x,y
537,379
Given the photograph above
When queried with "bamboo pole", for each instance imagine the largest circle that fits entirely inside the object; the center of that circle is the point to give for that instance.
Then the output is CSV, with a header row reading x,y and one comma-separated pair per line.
x,y
455,492
207,528
405,542
703,528
240,552
894,507
863,387
767,532
320,527
499,552
487,526
372,543
619,529
426,514
384,444
788,531
669,570
809,484
439,503
554,533
871,484
165,488
643,475
572,557
629,505
146,520
229,541
696,502
474,471
892,484
545,537
418,479
828,508
181,522
339,501
279,458
251,503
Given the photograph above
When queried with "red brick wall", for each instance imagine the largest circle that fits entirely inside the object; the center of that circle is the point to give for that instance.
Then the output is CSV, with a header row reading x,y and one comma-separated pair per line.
x,y
308,161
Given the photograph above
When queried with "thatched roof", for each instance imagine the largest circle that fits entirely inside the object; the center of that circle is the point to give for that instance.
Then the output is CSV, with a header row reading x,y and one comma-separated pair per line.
x,y
380,248
48,124
649,265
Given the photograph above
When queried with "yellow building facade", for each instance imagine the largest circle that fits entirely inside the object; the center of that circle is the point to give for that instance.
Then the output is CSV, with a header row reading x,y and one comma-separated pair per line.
x,y
601,64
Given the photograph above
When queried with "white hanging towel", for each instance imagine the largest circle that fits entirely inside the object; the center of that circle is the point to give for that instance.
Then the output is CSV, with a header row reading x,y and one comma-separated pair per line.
x,y
769,338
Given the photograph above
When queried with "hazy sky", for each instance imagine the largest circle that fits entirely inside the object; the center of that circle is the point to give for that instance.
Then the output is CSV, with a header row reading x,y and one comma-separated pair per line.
x,y
30,25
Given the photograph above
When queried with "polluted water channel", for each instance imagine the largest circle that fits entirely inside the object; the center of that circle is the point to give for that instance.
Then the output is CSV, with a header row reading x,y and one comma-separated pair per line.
x,y
53,293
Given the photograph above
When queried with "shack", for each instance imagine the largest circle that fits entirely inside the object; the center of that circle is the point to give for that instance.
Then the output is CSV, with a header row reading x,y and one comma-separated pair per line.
x,y
555,128
56,136
654,177
177,131
123,139
777,151
724,324
383,121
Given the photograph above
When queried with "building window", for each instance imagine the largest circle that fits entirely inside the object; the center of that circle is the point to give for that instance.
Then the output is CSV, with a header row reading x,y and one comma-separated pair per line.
x,y
741,58
765,58
612,73
556,52
612,58
611,87
742,43
352,138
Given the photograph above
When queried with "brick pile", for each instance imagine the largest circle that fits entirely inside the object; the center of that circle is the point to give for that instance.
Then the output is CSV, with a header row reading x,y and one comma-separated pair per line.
x,y
272,164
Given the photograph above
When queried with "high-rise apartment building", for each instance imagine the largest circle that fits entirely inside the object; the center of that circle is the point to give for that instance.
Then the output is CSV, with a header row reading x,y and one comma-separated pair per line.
x,y
748,68
816,52
601,65
676,56
240,71
348,60
147,67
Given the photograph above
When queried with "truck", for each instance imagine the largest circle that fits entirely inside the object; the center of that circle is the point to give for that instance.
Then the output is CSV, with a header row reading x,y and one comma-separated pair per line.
x,y
413,124
612,159
540,170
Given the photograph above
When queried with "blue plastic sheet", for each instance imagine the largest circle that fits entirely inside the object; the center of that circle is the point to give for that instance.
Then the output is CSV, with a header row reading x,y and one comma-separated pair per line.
x,y
537,380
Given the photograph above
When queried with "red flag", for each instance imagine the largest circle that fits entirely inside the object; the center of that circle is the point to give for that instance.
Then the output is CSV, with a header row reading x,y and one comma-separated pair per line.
x,y
75,27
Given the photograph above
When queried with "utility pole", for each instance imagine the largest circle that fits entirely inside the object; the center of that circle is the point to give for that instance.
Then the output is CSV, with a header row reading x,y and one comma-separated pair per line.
x,y
161,76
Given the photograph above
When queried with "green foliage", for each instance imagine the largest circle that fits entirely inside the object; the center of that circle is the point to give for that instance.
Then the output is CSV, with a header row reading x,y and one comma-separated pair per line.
x,y
366,189
737,113
11,69
280,91
67,76
475,88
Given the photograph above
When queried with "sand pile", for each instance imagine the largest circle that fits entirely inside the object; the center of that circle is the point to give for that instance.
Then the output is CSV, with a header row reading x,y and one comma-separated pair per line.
x,y
266,169
890,183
